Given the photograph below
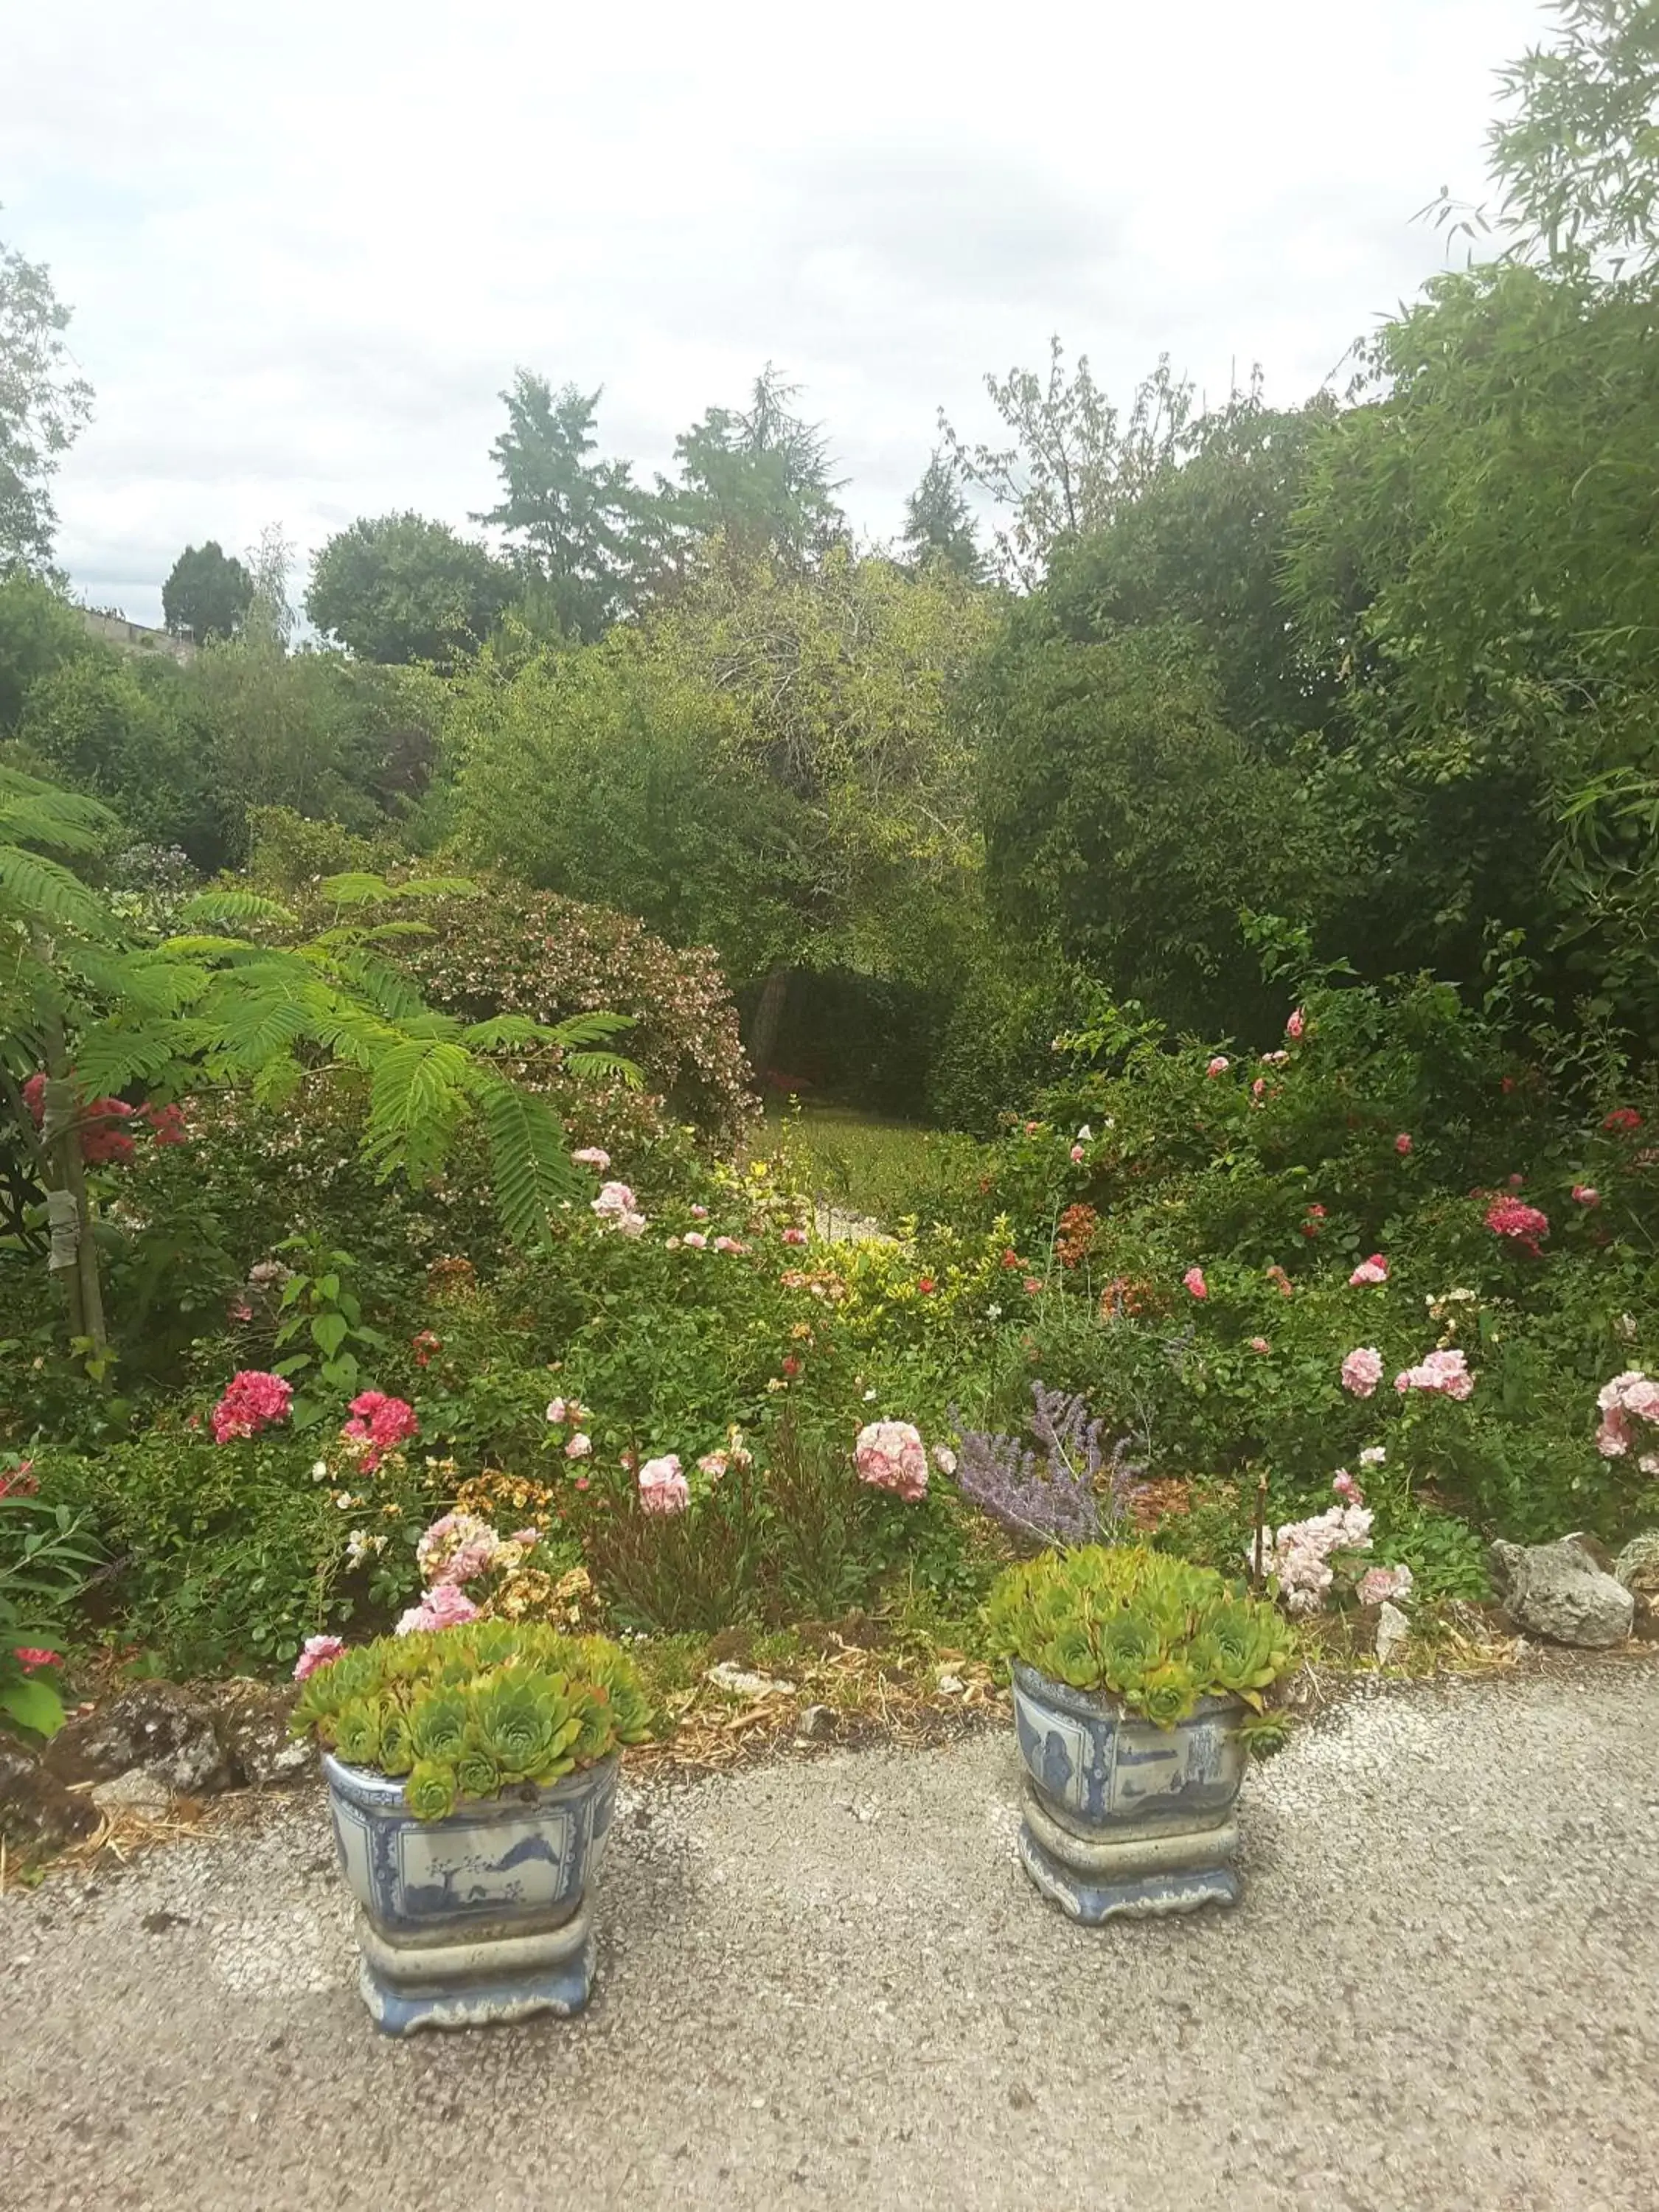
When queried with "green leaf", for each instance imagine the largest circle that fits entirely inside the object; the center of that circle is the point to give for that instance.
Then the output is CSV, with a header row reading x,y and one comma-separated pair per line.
x,y
505,1030
530,1156
46,892
222,902
329,1331
415,1100
33,1704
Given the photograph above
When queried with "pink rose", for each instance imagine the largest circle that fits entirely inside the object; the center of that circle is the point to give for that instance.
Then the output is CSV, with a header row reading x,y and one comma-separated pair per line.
x,y
1403,1144
699,1213
1220,1065
663,1486
1380,1584
1441,1374
1362,1370
30,1656
1346,1487
592,1155
1076,1155
316,1652
580,1446
696,1239
1296,1025
1260,1344
1193,1280
729,1244
1584,1196
891,1456
446,1606
1374,1270
795,1236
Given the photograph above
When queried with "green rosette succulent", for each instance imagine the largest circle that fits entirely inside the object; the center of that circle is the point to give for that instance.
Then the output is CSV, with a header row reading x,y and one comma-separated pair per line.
x,y
397,1752
609,1668
464,1713
358,1730
437,1725
430,1789
477,1774
1153,1630
1248,1647
528,1728
1166,1693
1131,1648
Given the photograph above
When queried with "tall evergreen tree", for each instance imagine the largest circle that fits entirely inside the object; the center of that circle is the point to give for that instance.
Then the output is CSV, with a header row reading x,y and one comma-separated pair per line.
x,y
574,520
758,478
938,526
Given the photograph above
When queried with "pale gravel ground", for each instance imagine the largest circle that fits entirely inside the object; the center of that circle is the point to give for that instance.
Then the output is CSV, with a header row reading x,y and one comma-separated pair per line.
x,y
826,1982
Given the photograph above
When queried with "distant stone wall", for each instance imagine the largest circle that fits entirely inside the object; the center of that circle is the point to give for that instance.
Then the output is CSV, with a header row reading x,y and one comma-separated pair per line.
x,y
132,637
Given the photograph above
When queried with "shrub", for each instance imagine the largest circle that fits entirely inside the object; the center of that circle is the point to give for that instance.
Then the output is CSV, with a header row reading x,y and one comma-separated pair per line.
x,y
516,951
227,1556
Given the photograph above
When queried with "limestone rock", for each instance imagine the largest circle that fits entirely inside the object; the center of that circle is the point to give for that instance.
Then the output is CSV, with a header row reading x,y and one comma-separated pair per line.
x,y
167,1731
741,1684
1596,1549
1558,1590
134,1791
255,1733
1392,1630
1638,1568
37,1812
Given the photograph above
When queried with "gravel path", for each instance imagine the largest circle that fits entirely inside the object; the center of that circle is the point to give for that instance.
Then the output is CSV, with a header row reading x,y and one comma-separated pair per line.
x,y
826,1982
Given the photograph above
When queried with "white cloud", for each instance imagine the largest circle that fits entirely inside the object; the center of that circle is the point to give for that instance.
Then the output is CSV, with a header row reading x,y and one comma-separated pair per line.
x,y
305,252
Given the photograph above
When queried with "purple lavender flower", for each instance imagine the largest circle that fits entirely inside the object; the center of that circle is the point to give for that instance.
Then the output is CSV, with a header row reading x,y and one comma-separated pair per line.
x,y
1058,1499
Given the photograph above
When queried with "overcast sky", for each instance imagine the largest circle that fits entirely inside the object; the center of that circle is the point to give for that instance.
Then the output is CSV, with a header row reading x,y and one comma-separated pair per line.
x,y
306,247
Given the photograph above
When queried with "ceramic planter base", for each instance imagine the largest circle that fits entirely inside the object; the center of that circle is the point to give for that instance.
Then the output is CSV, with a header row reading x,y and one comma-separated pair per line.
x,y
1142,1877
1124,1820
480,1917
407,1987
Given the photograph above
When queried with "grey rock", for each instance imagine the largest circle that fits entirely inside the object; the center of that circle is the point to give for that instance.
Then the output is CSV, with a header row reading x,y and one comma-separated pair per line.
x,y
37,1812
726,1676
1558,1590
1392,1630
134,1791
817,1724
168,1732
263,1753
1638,1568
1593,1547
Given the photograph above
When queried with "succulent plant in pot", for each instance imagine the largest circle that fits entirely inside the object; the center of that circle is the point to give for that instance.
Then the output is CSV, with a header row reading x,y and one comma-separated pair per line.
x,y
1139,1680
472,1775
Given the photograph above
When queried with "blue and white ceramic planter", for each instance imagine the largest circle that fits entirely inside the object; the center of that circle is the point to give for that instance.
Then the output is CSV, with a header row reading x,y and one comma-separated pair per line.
x,y
1123,1818
481,1917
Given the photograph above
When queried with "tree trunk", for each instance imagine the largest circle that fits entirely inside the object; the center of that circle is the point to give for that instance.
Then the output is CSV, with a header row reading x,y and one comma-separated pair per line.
x,y
73,1256
768,1020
